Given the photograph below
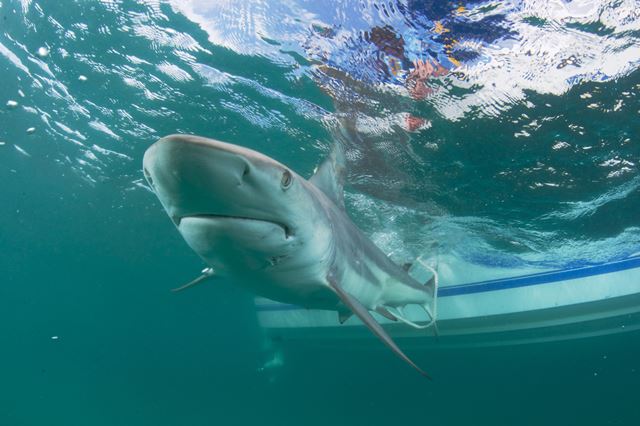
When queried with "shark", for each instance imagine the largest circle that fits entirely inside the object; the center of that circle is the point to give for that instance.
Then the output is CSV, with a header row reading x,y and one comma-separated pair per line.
x,y
280,235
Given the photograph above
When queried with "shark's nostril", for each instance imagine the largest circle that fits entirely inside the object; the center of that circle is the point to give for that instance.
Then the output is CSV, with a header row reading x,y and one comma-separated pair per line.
x,y
147,176
245,172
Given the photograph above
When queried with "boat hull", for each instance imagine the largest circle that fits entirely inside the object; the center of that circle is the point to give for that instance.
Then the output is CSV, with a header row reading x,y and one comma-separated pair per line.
x,y
506,306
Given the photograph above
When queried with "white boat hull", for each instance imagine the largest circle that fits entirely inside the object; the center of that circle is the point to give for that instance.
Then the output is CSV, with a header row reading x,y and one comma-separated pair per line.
x,y
498,306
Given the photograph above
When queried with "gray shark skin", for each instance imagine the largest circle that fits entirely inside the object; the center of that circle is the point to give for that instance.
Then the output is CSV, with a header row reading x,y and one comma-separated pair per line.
x,y
281,236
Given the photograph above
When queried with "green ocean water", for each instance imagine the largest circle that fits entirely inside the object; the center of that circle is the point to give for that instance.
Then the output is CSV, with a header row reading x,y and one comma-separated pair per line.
x,y
91,334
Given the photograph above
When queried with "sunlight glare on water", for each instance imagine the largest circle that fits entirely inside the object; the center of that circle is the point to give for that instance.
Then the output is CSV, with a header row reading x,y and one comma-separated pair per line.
x,y
505,134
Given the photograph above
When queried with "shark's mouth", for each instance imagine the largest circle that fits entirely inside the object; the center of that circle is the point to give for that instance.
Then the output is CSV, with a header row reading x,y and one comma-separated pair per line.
x,y
288,233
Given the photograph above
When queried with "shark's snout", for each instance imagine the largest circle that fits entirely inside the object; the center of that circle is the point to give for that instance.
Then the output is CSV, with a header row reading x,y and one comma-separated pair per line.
x,y
197,176
221,196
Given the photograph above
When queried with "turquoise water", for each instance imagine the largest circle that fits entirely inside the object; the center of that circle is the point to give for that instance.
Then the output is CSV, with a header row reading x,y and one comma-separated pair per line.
x,y
542,172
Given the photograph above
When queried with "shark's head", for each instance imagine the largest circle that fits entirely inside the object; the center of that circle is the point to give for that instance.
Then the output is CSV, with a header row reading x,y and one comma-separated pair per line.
x,y
240,210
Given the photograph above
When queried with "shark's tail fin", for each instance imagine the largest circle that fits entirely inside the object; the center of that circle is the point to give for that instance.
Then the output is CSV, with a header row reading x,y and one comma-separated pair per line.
x,y
422,272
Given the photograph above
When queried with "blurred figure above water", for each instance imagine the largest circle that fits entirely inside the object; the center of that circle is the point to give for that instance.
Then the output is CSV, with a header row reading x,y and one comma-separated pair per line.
x,y
518,79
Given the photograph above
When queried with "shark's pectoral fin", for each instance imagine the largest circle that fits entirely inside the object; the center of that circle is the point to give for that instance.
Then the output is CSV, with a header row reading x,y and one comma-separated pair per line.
x,y
364,315
206,273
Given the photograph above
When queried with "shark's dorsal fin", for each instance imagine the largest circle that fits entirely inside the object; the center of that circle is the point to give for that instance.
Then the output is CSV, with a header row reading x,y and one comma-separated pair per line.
x,y
330,175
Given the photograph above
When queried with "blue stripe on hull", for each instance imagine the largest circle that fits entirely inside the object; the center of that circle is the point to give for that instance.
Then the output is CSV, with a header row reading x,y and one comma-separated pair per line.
x,y
514,282
540,278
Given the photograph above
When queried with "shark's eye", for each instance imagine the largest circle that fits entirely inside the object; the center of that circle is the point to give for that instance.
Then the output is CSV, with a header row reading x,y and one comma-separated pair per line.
x,y
287,179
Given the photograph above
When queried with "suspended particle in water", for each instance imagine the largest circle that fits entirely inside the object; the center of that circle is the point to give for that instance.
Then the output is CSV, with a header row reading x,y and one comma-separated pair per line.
x,y
54,337
23,152
82,78
2,143
12,104
31,130
43,52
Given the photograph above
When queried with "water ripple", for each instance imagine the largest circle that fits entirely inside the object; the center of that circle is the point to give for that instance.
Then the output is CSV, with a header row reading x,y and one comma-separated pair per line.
x,y
501,130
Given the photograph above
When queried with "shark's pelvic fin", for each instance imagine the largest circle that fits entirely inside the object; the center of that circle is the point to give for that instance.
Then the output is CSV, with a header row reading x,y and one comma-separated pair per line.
x,y
206,273
330,175
344,315
364,315
385,313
